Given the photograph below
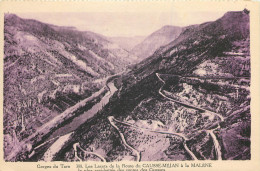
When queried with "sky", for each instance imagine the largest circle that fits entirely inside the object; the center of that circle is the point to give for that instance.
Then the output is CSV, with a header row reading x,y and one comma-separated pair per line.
x,y
123,24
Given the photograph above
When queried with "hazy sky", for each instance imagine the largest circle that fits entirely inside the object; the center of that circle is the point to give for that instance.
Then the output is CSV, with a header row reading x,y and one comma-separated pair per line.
x,y
123,23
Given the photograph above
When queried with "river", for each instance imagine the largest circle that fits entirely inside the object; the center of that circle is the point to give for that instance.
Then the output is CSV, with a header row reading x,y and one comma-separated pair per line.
x,y
75,123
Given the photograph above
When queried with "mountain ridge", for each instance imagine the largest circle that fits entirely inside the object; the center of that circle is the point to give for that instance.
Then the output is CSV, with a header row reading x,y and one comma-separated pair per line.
x,y
155,40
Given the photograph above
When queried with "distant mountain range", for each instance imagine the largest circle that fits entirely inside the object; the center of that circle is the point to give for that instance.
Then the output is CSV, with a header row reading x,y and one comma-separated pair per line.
x,y
127,43
155,40
142,46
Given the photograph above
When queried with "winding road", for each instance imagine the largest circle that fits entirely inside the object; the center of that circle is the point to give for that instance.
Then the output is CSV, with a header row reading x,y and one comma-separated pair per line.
x,y
210,132
76,145
112,120
205,77
69,128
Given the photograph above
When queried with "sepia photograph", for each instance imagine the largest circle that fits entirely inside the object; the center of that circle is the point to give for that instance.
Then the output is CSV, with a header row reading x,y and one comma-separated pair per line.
x,y
127,86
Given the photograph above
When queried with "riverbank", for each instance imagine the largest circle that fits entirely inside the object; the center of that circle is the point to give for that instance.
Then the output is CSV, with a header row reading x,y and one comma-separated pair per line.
x,y
74,122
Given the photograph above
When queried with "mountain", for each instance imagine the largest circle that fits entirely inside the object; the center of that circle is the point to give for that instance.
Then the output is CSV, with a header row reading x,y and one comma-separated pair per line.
x,y
48,69
127,43
189,100
157,39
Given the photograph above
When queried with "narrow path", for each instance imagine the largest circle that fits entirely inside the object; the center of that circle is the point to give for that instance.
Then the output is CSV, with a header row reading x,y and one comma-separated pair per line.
x,y
111,119
138,158
210,132
186,104
76,152
161,132
76,145
201,77
189,151
212,78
